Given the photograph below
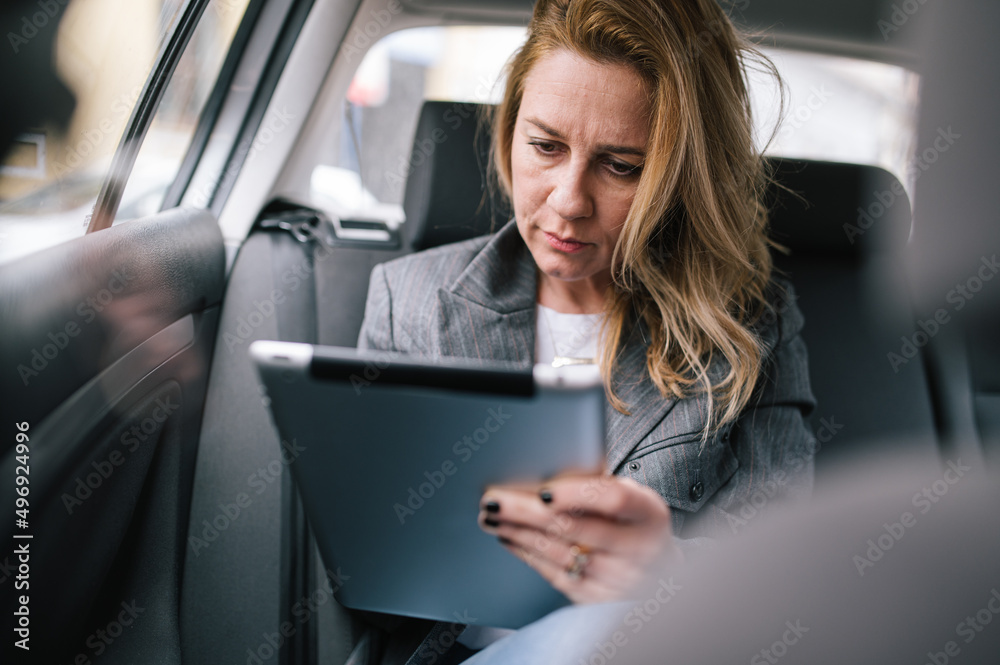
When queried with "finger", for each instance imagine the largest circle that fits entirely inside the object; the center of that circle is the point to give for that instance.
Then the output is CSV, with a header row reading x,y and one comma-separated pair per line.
x,y
641,542
613,570
516,506
621,499
565,518
586,588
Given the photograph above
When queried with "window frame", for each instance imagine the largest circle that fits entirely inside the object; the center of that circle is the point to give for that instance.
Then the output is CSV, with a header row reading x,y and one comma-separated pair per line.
x,y
142,115
230,119
267,26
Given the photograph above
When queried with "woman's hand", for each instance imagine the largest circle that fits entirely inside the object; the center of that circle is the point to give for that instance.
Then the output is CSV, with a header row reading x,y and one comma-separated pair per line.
x,y
591,537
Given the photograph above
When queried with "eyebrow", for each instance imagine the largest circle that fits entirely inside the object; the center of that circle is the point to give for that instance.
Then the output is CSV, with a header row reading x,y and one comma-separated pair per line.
x,y
604,147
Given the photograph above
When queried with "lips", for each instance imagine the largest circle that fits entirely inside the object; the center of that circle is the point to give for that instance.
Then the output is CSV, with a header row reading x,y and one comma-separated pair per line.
x,y
567,245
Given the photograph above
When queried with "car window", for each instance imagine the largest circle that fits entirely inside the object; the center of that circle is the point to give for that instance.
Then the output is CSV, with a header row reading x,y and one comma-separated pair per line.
x,y
839,109
176,119
836,109
105,50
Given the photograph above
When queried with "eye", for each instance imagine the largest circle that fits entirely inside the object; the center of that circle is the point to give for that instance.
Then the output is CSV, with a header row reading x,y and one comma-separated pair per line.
x,y
544,147
623,169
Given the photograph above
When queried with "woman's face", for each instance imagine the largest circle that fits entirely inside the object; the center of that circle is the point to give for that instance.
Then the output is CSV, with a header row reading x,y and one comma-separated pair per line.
x,y
576,156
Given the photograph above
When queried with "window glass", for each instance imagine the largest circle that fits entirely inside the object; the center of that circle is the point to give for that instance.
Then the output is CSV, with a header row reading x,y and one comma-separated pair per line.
x,y
105,50
176,118
839,110
836,109
364,170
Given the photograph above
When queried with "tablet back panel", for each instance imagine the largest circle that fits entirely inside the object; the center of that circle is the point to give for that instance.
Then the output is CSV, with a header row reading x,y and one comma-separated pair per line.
x,y
392,459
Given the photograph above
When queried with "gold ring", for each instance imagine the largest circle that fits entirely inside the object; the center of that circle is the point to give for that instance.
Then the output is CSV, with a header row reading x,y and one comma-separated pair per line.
x,y
581,557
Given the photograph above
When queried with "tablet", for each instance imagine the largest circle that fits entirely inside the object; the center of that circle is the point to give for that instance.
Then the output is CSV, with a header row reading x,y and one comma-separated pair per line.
x,y
396,454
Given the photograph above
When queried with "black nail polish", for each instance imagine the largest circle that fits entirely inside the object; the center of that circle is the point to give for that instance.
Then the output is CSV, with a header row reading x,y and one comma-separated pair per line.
x,y
489,521
505,541
492,507
546,496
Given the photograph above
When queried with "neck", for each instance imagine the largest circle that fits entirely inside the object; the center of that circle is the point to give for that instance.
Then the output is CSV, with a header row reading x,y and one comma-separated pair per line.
x,y
585,296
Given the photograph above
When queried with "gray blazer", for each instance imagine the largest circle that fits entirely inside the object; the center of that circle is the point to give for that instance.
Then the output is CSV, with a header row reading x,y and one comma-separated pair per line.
x,y
476,299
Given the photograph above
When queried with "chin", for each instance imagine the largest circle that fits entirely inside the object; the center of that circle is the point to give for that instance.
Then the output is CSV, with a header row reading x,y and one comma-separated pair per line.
x,y
561,271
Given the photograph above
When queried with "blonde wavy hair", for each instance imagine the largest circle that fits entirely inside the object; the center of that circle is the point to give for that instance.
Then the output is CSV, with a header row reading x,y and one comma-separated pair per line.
x,y
693,259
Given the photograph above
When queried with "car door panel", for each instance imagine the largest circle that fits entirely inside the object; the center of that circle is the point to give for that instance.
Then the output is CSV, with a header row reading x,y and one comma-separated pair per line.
x,y
107,341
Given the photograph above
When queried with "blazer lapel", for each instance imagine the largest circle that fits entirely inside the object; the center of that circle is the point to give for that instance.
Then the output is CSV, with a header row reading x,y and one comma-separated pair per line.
x,y
489,311
653,416
646,406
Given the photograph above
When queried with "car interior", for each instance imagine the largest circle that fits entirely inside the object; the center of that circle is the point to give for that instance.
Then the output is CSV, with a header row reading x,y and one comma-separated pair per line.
x,y
161,497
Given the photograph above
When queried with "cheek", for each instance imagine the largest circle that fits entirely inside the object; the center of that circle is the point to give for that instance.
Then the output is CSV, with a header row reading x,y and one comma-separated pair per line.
x,y
618,204
527,187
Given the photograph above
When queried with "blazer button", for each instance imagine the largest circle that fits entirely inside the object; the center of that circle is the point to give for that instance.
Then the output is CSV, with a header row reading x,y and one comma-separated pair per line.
x,y
697,491
633,466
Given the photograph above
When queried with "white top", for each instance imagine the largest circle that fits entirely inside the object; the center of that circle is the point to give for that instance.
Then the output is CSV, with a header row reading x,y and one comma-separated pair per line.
x,y
567,335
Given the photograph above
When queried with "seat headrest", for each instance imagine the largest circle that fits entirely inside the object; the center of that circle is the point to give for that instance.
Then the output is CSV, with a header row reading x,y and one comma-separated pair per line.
x,y
446,197
819,208
833,209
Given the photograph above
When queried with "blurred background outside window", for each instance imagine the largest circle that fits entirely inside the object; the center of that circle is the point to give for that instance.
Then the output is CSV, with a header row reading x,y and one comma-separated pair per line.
x,y
836,109
105,51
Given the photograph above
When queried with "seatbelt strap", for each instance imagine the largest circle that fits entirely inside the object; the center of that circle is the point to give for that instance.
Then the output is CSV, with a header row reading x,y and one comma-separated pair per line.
x,y
295,310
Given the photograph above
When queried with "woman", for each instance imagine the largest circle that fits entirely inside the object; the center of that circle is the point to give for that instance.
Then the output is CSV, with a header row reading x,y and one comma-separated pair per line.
x,y
624,142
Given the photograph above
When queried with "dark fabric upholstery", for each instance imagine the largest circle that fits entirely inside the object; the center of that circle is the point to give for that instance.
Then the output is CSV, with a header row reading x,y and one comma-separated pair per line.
x,y
845,226
232,586
446,197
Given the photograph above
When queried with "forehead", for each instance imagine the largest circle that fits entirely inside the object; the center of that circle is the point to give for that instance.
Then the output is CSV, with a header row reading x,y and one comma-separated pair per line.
x,y
587,100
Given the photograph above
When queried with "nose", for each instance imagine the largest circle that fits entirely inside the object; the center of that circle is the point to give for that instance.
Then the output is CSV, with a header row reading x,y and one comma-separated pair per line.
x,y
571,198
